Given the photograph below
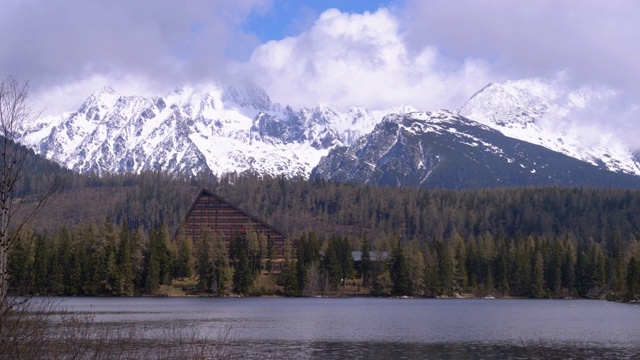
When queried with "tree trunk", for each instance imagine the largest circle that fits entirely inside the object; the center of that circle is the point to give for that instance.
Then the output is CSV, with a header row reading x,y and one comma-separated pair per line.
x,y
15,116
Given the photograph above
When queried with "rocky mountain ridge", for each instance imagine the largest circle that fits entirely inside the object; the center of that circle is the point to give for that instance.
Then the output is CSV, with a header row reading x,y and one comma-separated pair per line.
x,y
444,150
545,114
222,129
217,129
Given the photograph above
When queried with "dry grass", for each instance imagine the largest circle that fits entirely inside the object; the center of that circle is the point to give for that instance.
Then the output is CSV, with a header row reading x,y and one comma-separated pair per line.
x,y
264,285
31,330
179,287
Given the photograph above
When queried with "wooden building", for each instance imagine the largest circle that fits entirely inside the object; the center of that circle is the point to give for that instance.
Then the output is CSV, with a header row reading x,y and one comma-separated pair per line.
x,y
214,215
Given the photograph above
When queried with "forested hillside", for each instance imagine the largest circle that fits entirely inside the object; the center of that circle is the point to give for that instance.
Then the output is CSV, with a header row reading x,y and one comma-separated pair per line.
x,y
547,241
297,206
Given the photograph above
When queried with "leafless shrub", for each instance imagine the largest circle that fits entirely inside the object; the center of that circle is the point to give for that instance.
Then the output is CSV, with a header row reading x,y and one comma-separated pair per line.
x,y
38,330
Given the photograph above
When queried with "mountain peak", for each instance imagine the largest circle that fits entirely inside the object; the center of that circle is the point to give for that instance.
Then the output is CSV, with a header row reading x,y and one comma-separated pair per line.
x,y
247,95
99,101
547,113
225,128
107,90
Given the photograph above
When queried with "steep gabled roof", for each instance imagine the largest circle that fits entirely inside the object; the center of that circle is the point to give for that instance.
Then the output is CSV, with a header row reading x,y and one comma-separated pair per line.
x,y
206,192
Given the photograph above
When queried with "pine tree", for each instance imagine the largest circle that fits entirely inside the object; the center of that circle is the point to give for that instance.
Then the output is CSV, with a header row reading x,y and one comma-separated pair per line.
x,y
431,274
41,260
338,261
270,254
415,259
537,276
182,266
124,264
205,266
365,260
445,268
633,279
290,276
158,261
242,273
302,263
460,274
221,266
399,271
20,266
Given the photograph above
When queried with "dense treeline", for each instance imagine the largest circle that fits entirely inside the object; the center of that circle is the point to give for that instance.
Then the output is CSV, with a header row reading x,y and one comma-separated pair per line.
x,y
299,206
422,214
114,260
512,241
104,260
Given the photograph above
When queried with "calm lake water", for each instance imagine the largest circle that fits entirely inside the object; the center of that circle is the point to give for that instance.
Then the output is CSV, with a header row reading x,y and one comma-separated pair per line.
x,y
372,328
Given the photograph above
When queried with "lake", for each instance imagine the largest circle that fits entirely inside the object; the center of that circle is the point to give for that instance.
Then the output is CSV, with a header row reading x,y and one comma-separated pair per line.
x,y
376,328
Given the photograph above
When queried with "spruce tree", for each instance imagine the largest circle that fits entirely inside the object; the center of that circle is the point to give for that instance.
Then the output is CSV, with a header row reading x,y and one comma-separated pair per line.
x,y
399,271
124,264
537,276
365,260
182,266
633,279
242,273
221,266
205,266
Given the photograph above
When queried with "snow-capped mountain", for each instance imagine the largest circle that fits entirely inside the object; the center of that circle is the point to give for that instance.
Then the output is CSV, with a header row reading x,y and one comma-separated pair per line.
x,y
217,128
550,115
444,150
515,133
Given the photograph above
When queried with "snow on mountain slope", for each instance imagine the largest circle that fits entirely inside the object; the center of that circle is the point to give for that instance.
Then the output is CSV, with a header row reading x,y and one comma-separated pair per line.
x,y
546,114
226,129
215,128
443,150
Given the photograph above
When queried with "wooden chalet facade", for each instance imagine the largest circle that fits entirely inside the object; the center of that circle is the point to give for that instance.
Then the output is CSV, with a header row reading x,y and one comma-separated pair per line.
x,y
214,215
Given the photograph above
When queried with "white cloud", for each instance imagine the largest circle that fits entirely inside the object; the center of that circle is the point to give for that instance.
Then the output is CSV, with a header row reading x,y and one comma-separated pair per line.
x,y
361,60
57,99
436,54
64,47
426,53
593,40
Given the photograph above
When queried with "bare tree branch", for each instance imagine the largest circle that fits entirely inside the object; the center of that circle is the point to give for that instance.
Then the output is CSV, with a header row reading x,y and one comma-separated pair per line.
x,y
15,116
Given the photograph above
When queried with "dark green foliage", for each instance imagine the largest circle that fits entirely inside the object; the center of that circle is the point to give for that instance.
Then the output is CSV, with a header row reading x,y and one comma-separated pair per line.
x,y
365,261
298,206
243,273
431,274
445,268
182,265
41,259
289,276
338,261
269,254
206,266
124,273
83,262
537,279
308,257
20,266
157,261
552,241
212,265
633,279
399,271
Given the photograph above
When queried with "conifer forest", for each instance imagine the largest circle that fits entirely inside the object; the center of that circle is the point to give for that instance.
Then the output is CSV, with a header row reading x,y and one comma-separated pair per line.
x,y
521,242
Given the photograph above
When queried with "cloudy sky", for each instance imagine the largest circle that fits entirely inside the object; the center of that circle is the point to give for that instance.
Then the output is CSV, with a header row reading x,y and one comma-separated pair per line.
x,y
427,53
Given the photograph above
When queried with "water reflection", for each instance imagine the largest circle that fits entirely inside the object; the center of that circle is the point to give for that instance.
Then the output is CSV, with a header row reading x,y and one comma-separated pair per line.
x,y
368,328
375,350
